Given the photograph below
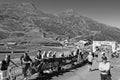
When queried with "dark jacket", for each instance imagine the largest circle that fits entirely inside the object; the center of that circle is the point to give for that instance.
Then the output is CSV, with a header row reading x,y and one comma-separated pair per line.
x,y
4,65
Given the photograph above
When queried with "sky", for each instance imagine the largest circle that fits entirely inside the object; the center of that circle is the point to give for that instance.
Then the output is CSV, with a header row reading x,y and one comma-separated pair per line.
x,y
104,11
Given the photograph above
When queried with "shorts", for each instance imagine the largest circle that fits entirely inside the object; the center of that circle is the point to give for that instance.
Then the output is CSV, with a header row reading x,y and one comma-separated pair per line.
x,y
89,63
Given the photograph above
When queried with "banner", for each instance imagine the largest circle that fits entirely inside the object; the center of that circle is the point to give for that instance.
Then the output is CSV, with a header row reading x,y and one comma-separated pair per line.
x,y
104,45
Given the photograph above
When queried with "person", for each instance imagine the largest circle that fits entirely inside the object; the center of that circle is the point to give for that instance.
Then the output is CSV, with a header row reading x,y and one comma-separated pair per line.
x,y
104,68
81,54
62,55
90,61
79,57
49,54
103,56
44,55
38,58
6,62
76,52
25,60
54,54
97,52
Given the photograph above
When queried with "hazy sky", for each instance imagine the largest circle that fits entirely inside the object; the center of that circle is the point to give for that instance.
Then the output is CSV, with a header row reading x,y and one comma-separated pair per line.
x,y
105,11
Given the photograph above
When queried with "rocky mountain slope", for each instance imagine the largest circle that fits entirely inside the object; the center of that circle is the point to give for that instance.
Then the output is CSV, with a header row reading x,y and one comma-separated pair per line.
x,y
16,20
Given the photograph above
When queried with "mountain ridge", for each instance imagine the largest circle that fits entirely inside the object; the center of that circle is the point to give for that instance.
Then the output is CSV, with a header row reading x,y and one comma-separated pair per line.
x,y
26,17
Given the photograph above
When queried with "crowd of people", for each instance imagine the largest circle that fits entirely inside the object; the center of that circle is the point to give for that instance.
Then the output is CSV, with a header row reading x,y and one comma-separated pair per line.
x,y
104,66
26,61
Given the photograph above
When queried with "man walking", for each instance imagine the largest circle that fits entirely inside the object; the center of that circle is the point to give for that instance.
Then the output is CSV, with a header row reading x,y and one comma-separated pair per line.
x,y
25,62
90,61
104,68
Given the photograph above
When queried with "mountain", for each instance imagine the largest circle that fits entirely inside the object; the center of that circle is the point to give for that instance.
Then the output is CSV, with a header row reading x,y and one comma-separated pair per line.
x,y
17,20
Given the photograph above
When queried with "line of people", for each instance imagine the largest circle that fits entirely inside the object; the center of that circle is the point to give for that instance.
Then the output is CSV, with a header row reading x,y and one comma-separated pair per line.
x,y
27,62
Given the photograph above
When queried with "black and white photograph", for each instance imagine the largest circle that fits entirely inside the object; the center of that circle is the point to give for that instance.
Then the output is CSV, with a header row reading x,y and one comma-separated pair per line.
x,y
59,40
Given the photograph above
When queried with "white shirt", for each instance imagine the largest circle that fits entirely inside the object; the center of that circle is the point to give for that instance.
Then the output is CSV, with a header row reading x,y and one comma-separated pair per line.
x,y
90,58
74,53
49,54
104,66
44,55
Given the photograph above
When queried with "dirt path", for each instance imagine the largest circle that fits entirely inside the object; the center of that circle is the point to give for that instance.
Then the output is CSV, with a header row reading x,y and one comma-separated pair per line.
x,y
83,74
79,74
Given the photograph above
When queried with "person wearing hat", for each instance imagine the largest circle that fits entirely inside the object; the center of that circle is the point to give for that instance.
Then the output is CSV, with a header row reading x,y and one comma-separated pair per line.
x,y
104,68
